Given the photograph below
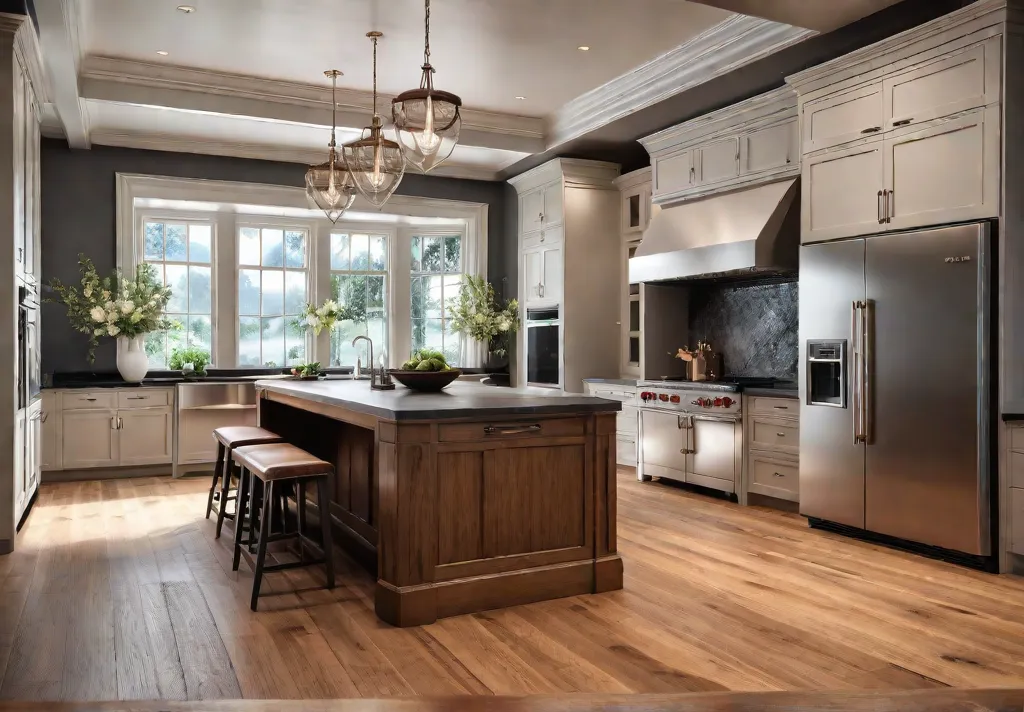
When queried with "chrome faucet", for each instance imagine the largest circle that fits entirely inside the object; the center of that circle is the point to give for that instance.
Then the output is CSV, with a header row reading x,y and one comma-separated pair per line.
x,y
378,381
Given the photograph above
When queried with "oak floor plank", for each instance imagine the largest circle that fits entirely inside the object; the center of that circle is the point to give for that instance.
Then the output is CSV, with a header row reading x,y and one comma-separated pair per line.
x,y
118,589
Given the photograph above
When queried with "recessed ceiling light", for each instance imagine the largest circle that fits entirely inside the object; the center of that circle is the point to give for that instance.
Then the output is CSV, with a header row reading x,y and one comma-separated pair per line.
x,y
521,98
583,48
162,52
187,9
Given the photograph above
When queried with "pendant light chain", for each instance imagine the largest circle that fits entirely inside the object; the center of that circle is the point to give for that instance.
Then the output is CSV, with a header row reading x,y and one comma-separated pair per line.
x,y
375,76
334,108
426,42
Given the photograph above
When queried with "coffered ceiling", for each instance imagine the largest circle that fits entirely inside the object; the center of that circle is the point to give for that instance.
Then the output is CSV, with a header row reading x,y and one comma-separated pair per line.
x,y
245,77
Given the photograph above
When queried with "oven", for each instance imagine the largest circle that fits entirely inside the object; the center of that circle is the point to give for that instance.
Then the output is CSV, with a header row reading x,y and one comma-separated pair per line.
x,y
544,347
28,346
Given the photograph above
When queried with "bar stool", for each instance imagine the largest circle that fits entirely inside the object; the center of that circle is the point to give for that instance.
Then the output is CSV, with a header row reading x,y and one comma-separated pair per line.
x,y
228,438
276,465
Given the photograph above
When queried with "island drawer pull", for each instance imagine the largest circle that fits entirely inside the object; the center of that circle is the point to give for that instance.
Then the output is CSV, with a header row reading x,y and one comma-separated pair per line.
x,y
511,429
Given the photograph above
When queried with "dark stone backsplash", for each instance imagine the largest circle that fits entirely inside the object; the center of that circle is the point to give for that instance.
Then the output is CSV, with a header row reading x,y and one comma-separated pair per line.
x,y
753,327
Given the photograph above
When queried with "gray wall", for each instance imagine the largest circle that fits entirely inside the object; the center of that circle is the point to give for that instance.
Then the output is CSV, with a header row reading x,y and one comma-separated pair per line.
x,y
78,216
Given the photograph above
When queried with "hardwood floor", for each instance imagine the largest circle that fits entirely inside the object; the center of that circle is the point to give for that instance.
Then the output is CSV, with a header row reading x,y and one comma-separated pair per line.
x,y
118,591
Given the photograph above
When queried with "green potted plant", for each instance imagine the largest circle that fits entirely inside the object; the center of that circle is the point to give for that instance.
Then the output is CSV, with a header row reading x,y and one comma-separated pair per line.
x,y
118,307
191,361
476,312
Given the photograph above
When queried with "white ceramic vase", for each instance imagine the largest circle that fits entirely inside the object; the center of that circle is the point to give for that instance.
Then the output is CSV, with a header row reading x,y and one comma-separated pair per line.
x,y
132,361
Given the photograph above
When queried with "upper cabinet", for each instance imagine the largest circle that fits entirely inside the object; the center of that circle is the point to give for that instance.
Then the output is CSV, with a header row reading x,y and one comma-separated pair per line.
x,y
904,134
752,142
541,208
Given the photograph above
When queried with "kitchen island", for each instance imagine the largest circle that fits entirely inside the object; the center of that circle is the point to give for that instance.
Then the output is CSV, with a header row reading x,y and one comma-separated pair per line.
x,y
466,500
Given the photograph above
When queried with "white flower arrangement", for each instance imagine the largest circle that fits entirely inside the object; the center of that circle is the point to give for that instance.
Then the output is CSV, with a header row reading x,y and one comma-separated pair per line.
x,y
114,305
322,317
476,313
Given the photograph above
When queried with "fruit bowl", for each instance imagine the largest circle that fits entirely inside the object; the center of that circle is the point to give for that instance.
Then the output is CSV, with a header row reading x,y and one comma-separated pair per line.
x,y
426,381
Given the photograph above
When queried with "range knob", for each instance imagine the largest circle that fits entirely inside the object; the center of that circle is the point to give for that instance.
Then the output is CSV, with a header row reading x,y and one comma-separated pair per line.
x,y
727,401
663,397
674,399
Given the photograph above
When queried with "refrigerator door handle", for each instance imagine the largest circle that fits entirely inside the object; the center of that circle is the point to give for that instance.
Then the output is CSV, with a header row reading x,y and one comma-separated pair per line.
x,y
867,360
856,371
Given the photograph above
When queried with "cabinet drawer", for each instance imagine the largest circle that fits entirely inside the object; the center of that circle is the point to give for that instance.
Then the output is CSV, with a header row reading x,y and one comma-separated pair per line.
x,y
775,434
546,236
621,396
511,429
1017,520
148,398
777,407
1017,469
88,400
773,477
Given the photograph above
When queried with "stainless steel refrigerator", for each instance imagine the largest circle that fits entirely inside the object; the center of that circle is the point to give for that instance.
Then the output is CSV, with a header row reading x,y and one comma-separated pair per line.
x,y
896,380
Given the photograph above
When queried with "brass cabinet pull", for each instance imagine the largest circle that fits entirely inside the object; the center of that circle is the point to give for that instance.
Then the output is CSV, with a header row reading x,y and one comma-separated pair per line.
x,y
781,435
871,130
780,407
511,429
902,122
138,397
889,205
90,399
777,474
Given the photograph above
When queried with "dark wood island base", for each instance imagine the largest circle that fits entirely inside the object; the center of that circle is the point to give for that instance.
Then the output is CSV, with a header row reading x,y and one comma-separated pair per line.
x,y
472,499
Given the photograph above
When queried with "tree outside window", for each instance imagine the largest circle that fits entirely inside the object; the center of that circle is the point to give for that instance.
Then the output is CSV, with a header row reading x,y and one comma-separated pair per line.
x,y
359,264
181,253
436,276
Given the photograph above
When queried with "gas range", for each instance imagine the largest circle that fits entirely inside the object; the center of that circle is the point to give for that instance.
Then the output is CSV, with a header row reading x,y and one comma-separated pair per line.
x,y
688,397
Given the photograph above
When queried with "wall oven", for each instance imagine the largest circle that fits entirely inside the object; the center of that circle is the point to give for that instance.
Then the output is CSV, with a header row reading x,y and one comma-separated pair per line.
x,y
28,346
543,347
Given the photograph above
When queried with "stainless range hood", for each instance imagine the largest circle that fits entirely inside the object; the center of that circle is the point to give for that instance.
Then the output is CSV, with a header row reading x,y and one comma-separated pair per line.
x,y
748,233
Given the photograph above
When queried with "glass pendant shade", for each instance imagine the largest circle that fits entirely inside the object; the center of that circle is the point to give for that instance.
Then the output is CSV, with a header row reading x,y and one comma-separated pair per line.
x,y
375,163
428,123
329,186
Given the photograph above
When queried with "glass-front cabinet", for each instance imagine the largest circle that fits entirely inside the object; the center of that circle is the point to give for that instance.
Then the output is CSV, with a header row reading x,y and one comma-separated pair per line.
x,y
636,211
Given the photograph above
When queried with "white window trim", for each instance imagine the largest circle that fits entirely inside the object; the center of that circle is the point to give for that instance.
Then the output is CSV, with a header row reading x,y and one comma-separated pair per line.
x,y
232,197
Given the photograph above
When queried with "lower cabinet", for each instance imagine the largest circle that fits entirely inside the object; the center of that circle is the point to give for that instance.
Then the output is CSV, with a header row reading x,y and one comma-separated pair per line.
x,y
90,431
626,423
772,437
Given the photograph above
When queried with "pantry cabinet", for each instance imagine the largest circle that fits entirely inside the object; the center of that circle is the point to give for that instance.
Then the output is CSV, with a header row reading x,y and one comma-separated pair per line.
x,y
748,143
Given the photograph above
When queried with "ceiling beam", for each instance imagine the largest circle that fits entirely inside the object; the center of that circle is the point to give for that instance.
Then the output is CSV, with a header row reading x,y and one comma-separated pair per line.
x,y
58,35
149,84
823,16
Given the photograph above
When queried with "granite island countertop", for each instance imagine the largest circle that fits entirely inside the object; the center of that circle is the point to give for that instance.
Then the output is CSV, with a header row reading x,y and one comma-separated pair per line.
x,y
458,401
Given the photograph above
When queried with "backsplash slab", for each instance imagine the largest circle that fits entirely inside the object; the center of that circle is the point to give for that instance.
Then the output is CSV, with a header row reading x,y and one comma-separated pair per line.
x,y
753,326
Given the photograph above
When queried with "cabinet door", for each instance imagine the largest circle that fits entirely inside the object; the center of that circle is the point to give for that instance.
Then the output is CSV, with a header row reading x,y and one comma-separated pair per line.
x,y
20,120
20,480
842,193
673,172
714,456
531,210
49,454
945,86
145,436
551,284
553,205
718,161
842,117
948,172
633,212
533,268
33,441
89,439
663,441
768,148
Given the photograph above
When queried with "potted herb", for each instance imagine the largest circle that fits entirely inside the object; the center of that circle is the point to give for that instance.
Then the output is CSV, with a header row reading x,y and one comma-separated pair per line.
x,y
191,361
117,307
307,371
476,312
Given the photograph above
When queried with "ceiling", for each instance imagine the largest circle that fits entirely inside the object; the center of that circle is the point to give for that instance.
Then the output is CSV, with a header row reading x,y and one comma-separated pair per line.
x,y
245,77
819,15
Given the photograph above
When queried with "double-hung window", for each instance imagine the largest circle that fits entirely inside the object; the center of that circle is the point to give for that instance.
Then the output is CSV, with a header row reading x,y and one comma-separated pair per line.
x,y
273,277
359,281
181,252
435,280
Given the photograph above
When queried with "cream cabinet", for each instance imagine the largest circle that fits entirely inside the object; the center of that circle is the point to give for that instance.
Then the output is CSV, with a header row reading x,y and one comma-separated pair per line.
x,y
842,117
752,142
543,267
113,427
89,439
772,446
842,192
541,208
943,172
627,421
635,191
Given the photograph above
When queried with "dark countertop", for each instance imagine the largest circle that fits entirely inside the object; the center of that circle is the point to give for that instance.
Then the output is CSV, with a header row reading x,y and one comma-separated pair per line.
x,y
112,379
459,400
629,382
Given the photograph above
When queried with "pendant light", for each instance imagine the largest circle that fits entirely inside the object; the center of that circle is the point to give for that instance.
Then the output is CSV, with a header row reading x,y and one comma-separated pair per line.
x,y
428,120
375,162
329,185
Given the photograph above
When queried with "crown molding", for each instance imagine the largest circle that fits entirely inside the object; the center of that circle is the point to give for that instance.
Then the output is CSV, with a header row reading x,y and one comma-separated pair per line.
x,y
731,44
257,151
633,179
131,81
575,172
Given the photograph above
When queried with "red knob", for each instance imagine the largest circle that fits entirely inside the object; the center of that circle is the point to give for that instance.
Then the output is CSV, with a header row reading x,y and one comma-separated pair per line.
x,y
674,399
663,397
718,402
727,401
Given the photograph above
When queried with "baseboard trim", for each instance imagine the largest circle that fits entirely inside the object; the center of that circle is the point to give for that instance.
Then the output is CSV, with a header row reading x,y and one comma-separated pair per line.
x,y
105,473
